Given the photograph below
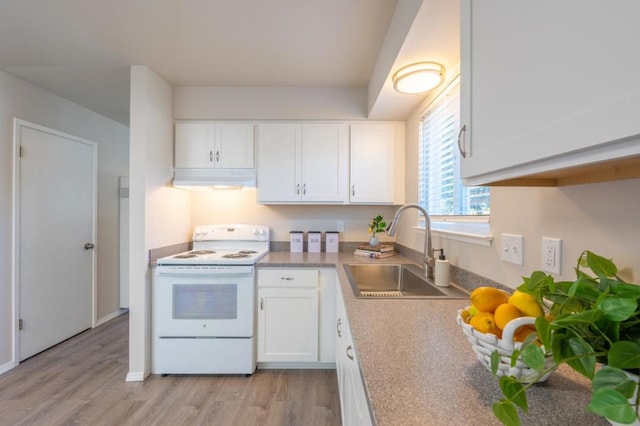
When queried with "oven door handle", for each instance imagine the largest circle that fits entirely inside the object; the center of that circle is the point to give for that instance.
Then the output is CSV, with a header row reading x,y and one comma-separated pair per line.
x,y
166,270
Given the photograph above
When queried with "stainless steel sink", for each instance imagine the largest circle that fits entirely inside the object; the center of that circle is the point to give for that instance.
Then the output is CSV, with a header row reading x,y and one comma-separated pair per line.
x,y
396,281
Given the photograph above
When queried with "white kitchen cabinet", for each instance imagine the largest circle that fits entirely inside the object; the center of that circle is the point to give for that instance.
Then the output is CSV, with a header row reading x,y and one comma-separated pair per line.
x,y
353,399
376,163
302,163
547,86
288,320
220,145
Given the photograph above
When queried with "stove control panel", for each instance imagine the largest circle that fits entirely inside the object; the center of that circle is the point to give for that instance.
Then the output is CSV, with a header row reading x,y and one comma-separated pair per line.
x,y
231,233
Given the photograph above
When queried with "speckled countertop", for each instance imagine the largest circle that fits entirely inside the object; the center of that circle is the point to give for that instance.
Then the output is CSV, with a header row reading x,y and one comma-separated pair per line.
x,y
418,367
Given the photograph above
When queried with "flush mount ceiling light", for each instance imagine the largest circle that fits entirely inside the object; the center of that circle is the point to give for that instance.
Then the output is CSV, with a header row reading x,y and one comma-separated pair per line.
x,y
418,78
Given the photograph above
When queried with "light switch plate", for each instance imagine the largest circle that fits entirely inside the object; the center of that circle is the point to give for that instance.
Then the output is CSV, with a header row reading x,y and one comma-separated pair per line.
x,y
512,247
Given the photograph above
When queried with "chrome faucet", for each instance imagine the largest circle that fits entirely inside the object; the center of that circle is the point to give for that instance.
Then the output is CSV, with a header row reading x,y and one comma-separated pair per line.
x,y
428,260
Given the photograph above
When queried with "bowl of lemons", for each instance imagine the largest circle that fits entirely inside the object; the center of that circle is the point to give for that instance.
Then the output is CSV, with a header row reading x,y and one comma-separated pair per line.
x,y
500,322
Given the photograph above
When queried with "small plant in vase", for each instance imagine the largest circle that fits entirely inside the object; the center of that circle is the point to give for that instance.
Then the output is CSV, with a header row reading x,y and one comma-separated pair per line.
x,y
377,225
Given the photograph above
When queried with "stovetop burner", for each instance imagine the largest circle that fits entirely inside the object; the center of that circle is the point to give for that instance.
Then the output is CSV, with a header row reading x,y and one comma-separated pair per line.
x,y
202,252
235,255
184,256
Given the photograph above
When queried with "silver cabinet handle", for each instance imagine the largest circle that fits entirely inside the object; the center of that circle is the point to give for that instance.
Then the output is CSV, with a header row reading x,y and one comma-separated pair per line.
x,y
298,189
349,354
287,278
211,156
338,324
462,131
89,246
217,156
262,303
353,190
304,189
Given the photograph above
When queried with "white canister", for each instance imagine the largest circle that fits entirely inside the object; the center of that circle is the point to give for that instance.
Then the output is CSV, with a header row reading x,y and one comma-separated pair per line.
x,y
332,242
314,241
296,241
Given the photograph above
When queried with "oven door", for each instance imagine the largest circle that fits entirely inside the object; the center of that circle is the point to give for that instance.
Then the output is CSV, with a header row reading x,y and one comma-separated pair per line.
x,y
203,301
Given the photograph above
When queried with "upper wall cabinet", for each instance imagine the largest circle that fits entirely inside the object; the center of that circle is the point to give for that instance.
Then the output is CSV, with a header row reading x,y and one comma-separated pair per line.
x,y
377,163
550,91
204,145
303,163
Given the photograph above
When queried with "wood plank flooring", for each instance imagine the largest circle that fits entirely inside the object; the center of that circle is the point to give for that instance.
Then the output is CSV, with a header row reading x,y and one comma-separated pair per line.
x,y
82,381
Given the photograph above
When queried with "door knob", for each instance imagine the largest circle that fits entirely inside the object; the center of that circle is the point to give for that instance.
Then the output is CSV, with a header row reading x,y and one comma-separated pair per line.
x,y
89,246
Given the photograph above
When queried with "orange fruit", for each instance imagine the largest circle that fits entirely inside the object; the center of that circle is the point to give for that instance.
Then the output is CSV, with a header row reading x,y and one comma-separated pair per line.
x,y
505,313
522,333
484,322
487,299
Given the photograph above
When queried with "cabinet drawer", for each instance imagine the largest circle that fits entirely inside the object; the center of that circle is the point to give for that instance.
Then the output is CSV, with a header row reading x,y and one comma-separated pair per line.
x,y
288,278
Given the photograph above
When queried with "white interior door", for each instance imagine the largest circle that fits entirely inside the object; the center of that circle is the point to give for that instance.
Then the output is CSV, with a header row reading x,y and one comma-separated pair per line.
x,y
56,221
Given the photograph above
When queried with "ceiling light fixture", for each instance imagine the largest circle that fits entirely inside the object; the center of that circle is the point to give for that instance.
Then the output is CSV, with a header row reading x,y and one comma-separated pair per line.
x,y
418,78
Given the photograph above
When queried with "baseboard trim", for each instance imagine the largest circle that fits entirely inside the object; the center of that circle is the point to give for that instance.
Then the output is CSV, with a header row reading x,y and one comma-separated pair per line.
x,y
7,367
297,365
109,317
135,376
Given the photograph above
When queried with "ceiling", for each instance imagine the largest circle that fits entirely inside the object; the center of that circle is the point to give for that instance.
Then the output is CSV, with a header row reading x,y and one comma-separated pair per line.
x,y
82,49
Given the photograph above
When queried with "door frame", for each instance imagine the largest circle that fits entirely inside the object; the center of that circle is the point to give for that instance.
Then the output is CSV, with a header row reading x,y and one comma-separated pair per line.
x,y
18,125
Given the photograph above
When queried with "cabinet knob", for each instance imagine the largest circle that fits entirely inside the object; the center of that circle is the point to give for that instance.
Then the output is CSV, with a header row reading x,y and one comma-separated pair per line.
x,y
217,156
262,303
462,131
338,324
287,278
298,189
304,189
211,156
353,190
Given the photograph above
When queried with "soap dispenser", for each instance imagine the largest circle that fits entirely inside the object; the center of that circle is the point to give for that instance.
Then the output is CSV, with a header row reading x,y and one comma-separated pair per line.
x,y
441,270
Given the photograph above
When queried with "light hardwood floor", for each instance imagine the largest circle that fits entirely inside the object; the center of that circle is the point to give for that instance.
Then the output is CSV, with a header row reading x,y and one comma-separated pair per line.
x,y
82,381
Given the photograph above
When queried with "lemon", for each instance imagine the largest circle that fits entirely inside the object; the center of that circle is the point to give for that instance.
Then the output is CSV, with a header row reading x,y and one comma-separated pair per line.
x,y
484,322
505,313
526,303
487,299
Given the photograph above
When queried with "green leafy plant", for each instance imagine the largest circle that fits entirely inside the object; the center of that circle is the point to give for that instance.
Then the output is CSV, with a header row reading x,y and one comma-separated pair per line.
x,y
592,320
377,225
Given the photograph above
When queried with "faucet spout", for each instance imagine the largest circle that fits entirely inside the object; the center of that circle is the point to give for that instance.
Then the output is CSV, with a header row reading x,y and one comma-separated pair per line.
x,y
429,260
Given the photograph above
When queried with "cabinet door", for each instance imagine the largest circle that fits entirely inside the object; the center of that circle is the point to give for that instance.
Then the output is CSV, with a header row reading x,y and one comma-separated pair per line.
x,y
279,156
288,324
546,80
325,151
372,165
194,146
234,146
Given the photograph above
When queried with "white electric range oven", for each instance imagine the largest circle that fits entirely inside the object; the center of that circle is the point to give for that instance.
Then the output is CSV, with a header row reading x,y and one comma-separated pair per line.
x,y
204,302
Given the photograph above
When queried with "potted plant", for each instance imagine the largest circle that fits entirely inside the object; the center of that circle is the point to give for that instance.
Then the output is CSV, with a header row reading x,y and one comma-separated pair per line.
x,y
593,326
377,225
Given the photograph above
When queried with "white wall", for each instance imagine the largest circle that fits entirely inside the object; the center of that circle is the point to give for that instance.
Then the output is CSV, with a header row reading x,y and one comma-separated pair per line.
x,y
603,218
28,102
270,103
220,206
159,214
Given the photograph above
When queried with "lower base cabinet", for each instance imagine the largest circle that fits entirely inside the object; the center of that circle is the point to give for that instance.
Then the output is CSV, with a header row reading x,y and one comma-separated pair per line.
x,y
353,399
296,309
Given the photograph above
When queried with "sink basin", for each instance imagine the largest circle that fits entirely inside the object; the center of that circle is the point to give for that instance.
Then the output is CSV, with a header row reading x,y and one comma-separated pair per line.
x,y
396,281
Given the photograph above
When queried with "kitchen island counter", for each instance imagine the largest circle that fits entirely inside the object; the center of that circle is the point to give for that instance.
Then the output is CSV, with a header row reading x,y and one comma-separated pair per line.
x,y
418,367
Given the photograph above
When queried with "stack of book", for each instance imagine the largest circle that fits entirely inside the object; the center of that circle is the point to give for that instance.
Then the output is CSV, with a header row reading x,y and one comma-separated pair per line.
x,y
380,251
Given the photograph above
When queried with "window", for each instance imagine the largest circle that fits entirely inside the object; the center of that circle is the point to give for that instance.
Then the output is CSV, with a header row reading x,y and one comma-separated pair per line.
x,y
440,188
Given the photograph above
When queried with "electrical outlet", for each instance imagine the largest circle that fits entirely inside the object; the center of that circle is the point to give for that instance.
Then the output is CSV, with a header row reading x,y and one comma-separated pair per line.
x,y
551,254
340,226
513,249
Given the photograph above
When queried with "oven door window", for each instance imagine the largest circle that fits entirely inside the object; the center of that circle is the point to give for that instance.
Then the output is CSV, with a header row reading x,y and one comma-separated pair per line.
x,y
205,301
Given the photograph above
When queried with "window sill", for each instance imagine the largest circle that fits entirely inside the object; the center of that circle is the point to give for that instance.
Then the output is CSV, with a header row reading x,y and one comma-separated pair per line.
x,y
473,232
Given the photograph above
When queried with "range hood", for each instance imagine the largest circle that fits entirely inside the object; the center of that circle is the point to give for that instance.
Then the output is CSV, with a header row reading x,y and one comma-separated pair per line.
x,y
214,177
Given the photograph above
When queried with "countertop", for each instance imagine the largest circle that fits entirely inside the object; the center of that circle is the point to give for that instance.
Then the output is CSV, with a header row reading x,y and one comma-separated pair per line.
x,y
418,367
